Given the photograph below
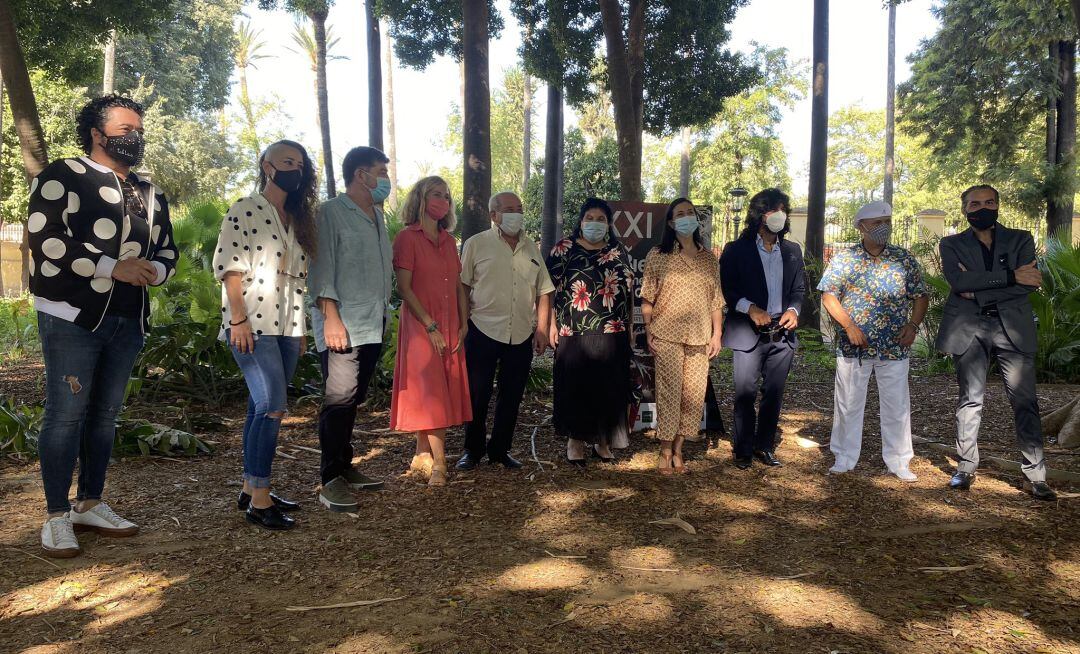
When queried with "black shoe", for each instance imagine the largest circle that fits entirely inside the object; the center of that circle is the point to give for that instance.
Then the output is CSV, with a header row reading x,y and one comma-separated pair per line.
x,y
506,460
1039,490
467,461
743,462
269,518
603,459
244,501
767,457
962,480
576,462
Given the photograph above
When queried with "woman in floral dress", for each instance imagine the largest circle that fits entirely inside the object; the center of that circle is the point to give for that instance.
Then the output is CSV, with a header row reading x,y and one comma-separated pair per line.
x,y
593,307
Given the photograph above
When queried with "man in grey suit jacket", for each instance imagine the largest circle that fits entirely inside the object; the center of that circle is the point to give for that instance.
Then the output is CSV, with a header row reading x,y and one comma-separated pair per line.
x,y
991,270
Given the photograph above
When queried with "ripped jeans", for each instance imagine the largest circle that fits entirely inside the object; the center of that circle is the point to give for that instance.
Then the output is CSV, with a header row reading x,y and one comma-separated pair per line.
x,y
86,373
267,372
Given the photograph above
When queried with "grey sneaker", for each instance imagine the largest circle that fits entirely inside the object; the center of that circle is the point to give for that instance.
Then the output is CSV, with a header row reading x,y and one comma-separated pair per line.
x,y
102,519
360,481
337,497
58,538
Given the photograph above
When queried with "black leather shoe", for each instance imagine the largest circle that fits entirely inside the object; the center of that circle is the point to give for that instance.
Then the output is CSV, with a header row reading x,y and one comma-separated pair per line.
x,y
244,501
603,459
576,462
962,480
269,518
1039,490
506,460
743,462
767,457
467,461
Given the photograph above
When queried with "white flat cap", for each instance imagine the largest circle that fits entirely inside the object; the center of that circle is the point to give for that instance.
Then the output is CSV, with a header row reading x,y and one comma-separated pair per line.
x,y
872,210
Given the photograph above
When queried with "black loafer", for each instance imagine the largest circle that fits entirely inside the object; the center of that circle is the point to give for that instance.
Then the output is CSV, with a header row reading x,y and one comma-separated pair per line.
x,y
244,501
269,518
603,459
505,460
576,462
962,480
743,462
1039,490
467,461
767,457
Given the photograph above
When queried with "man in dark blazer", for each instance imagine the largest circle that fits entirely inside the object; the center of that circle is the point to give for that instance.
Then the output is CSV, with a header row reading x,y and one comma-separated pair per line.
x,y
764,285
991,270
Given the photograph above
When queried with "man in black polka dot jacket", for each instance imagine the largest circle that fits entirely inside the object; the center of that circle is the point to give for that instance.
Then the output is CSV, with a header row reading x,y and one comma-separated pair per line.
x,y
99,236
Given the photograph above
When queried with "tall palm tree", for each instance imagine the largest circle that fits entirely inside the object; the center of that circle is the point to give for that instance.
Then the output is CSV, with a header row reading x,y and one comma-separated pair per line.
x,y
476,118
316,44
890,105
526,141
108,80
249,49
819,135
375,117
391,134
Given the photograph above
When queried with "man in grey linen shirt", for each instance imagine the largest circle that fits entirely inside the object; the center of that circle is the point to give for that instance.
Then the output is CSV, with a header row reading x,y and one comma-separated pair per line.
x,y
349,288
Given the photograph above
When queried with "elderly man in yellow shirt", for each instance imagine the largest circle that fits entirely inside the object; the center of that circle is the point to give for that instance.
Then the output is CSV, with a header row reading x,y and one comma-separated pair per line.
x,y
509,310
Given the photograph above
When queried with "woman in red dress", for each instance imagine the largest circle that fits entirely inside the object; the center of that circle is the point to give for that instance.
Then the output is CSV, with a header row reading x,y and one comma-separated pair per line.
x,y
431,385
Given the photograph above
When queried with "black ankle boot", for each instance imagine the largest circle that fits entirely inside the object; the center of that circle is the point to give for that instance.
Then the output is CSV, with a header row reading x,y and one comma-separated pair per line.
x,y
269,518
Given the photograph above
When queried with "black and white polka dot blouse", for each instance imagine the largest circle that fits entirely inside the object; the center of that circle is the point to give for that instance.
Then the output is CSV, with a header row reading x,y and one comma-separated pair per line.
x,y
273,268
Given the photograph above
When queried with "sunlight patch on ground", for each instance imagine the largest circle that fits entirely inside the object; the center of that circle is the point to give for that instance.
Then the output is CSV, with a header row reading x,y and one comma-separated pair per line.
x,y
741,504
1065,575
803,605
643,460
52,648
373,453
369,643
638,612
999,630
544,574
643,557
562,500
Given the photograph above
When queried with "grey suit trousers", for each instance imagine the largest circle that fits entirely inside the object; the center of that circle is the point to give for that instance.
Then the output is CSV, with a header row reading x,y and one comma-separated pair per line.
x,y
1018,370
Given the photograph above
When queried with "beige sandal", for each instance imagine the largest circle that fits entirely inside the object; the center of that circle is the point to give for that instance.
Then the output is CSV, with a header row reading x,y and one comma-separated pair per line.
x,y
438,475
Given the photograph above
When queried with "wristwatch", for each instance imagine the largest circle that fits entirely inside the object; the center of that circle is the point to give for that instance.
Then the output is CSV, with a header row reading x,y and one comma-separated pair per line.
x,y
433,327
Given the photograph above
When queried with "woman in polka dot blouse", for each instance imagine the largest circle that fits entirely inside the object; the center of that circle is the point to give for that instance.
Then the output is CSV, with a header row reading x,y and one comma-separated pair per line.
x,y
99,235
267,240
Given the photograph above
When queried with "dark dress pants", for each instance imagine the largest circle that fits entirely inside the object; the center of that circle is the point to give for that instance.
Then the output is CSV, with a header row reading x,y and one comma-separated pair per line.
x,y
767,364
347,376
490,362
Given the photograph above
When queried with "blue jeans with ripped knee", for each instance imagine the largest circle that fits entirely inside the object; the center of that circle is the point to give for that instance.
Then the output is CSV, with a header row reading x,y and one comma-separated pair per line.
x,y
267,371
86,373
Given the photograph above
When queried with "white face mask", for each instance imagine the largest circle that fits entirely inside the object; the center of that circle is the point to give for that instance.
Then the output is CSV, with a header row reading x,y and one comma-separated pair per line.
x,y
776,221
511,223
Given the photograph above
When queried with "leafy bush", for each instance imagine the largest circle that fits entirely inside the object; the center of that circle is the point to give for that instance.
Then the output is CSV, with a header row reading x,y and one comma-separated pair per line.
x,y
19,428
1057,308
18,328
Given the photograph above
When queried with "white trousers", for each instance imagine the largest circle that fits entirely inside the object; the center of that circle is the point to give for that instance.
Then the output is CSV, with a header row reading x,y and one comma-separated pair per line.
x,y
849,407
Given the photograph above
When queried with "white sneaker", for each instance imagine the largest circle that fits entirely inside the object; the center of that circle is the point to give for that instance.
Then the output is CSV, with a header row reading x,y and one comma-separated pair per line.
x,y
104,521
837,470
58,538
906,475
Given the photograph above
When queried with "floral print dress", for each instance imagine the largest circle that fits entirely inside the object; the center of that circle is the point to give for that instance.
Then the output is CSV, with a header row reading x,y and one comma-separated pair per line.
x,y
593,307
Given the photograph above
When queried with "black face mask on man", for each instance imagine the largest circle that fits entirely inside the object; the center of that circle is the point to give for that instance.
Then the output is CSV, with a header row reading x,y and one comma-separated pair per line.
x,y
984,218
126,148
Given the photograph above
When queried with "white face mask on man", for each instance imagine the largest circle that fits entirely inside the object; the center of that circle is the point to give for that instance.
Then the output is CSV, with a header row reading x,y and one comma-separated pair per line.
x,y
511,223
776,221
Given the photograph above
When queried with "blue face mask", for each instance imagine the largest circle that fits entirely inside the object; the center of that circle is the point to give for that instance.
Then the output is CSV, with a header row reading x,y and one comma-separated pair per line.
x,y
594,232
381,190
686,225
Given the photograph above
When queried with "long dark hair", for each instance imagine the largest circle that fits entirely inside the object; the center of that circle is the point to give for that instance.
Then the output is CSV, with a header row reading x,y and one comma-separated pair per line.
x,y
302,203
762,203
668,240
596,203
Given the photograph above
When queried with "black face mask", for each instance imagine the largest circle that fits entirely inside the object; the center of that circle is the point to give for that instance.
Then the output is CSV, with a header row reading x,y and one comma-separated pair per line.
x,y
127,148
288,180
984,218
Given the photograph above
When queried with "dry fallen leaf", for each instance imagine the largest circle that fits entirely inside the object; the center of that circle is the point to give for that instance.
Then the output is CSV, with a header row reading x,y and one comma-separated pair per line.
x,y
949,568
346,605
677,522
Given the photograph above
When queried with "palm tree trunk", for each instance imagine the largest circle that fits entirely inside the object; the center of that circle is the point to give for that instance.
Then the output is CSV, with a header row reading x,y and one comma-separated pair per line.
x,y
819,133
476,139
684,164
890,107
2,293
626,58
318,22
388,98
108,81
526,141
249,111
1059,203
375,117
551,212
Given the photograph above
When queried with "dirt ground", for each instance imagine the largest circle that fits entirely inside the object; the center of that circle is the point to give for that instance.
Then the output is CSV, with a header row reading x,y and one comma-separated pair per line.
x,y
563,560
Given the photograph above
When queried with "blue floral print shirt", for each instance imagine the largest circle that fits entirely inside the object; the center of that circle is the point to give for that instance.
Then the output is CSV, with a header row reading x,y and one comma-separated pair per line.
x,y
878,295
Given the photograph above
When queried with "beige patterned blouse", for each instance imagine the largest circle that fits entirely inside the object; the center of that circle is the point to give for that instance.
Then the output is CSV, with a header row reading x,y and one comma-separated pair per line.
x,y
684,293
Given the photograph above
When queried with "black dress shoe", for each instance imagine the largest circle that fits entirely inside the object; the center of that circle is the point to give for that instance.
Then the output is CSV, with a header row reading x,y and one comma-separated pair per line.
x,y
603,459
743,462
506,460
962,480
767,457
269,518
576,462
1039,490
467,461
244,501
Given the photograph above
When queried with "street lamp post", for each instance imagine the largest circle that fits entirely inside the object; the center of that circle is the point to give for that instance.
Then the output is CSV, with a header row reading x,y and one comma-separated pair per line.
x,y
736,204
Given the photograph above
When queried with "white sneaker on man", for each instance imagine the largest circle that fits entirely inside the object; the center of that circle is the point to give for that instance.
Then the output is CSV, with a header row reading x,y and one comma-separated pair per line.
x,y
905,474
837,469
104,521
58,538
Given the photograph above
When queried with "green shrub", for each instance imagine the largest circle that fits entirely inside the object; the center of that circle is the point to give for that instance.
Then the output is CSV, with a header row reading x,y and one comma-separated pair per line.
x,y
1057,309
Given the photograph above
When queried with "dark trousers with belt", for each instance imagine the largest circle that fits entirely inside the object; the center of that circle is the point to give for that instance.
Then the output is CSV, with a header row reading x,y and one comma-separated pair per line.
x,y
347,376
490,362
1018,371
767,364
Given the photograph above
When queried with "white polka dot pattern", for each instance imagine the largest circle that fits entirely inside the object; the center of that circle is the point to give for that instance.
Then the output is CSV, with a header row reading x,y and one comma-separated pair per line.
x,y
129,250
101,284
52,190
84,267
110,194
33,185
75,165
36,222
48,269
104,228
73,202
53,248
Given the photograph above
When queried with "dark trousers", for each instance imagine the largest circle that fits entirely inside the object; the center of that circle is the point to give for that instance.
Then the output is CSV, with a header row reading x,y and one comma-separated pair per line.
x,y
770,363
347,376
490,361
1018,371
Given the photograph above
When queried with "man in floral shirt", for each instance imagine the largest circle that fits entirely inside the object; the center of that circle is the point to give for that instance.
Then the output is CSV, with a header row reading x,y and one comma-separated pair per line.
x,y
875,294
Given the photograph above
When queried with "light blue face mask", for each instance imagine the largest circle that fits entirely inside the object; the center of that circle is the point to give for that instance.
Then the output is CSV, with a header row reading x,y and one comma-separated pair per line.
x,y
686,225
594,232
381,190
